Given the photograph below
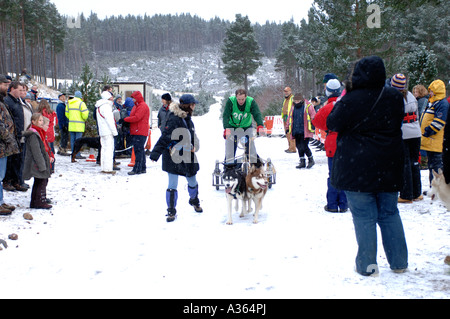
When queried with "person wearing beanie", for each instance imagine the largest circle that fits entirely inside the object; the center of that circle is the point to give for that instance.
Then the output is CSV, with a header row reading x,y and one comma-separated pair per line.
x,y
336,199
412,185
77,114
178,153
301,128
432,123
163,113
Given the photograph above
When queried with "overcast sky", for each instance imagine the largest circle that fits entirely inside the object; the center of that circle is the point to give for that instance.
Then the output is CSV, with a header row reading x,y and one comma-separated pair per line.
x,y
257,10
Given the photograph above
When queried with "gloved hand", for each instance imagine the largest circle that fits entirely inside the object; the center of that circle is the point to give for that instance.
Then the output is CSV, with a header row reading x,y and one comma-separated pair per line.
x,y
226,133
428,132
260,130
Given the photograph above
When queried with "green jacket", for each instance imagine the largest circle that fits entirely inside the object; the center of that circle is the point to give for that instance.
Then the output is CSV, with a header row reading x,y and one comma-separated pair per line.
x,y
249,108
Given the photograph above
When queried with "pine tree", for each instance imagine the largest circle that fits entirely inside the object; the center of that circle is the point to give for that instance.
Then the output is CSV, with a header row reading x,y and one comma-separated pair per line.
x,y
421,66
240,52
286,54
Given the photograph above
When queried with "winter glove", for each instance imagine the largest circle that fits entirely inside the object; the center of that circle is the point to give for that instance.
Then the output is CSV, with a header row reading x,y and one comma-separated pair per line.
x,y
428,132
226,133
260,130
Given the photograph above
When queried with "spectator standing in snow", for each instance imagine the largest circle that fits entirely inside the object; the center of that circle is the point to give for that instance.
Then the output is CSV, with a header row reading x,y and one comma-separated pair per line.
x,y
412,186
46,111
13,178
336,199
177,145
432,124
63,125
77,114
139,125
107,131
446,152
37,162
8,143
163,113
285,111
300,126
368,163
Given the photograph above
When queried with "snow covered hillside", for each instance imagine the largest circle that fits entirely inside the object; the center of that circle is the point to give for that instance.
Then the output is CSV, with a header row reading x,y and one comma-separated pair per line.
x,y
189,72
107,237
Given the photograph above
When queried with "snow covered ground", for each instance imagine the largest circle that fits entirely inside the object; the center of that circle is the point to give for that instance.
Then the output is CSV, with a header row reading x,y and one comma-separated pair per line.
x,y
106,237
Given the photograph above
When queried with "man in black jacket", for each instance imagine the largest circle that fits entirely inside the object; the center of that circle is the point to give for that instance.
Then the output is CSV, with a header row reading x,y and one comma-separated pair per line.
x,y
368,163
13,179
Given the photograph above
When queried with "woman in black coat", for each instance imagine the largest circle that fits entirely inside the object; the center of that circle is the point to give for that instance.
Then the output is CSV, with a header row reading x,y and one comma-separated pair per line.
x,y
177,145
368,164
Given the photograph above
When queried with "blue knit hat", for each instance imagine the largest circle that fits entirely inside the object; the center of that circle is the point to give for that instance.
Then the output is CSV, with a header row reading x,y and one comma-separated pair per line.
x,y
78,94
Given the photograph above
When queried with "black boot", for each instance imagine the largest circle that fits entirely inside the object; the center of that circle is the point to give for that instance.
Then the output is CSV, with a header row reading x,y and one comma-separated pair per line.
x,y
302,163
310,162
171,199
194,201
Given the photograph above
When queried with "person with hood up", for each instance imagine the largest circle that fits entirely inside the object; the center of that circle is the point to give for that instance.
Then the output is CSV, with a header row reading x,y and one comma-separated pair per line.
x,y
77,114
139,125
368,163
178,145
336,199
432,123
107,131
412,186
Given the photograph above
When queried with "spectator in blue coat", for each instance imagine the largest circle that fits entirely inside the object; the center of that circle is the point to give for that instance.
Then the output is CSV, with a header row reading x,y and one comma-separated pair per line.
x,y
63,123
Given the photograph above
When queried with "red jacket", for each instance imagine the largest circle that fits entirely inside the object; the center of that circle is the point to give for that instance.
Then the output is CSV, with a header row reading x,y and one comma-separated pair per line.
x,y
51,126
139,116
320,122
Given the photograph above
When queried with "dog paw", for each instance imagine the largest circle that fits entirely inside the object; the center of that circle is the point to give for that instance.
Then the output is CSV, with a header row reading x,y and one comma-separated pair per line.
x,y
229,222
255,221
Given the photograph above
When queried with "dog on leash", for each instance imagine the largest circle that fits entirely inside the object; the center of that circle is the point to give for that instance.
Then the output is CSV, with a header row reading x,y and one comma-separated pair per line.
x,y
256,184
440,189
235,189
91,142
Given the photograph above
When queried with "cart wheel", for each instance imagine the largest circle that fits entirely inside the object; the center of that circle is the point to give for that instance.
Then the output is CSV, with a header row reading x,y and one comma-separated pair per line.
x,y
217,183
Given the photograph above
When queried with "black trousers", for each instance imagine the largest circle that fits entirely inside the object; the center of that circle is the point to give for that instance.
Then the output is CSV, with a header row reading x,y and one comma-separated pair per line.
x,y
412,185
302,145
39,192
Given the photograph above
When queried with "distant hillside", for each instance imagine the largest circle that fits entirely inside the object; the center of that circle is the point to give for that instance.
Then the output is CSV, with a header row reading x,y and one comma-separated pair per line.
x,y
188,72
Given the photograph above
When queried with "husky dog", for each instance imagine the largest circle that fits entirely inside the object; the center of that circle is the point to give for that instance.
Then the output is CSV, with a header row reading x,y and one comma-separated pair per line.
x,y
256,188
440,188
235,189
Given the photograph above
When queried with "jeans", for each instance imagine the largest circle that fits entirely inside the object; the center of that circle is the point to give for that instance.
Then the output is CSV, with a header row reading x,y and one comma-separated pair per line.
x,y
336,199
3,164
173,181
434,163
73,137
139,153
368,210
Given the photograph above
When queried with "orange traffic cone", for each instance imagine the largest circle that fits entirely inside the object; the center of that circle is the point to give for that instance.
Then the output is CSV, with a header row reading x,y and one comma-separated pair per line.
x,y
133,159
91,157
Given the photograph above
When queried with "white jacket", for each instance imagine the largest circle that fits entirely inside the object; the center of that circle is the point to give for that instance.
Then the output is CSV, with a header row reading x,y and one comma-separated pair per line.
x,y
105,118
412,129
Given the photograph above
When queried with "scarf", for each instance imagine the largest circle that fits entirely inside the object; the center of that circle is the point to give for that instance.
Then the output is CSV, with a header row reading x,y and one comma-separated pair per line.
x,y
43,136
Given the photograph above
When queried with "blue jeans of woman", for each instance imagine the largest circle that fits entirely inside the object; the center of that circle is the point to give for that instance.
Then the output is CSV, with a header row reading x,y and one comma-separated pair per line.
x,y
140,166
368,211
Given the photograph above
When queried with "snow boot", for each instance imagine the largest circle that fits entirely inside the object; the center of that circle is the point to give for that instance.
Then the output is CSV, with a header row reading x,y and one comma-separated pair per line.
x,y
302,163
171,199
310,162
194,201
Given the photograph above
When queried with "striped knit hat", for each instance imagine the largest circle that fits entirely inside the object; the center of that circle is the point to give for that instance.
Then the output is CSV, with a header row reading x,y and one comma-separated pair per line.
x,y
398,81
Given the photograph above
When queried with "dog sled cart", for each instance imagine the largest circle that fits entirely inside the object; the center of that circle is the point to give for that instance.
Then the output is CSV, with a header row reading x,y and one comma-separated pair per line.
x,y
217,175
